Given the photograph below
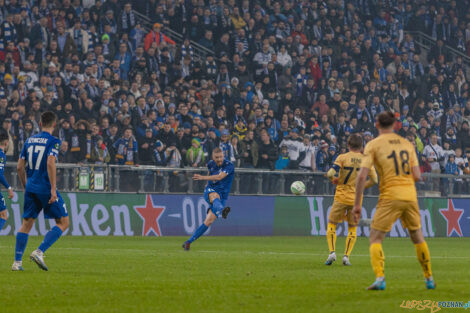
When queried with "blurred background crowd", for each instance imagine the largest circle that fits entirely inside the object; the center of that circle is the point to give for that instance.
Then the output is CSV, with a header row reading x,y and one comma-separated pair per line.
x,y
281,86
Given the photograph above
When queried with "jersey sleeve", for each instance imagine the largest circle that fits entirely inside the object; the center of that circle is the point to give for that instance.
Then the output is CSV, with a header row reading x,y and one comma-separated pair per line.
x,y
338,164
368,159
228,168
54,149
3,161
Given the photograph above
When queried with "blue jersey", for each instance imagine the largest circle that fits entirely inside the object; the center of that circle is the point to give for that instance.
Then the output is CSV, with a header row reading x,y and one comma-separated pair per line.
x,y
222,187
3,162
35,152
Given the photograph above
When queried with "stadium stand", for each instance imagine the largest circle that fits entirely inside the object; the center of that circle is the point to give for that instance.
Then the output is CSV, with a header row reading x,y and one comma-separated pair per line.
x,y
275,84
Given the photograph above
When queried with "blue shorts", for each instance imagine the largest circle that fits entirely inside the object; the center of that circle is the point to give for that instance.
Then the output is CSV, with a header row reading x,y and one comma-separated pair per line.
x,y
35,202
208,191
3,205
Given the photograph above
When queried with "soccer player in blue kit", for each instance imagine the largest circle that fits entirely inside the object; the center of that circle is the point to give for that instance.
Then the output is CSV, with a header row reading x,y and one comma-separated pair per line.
x,y
4,145
220,180
37,172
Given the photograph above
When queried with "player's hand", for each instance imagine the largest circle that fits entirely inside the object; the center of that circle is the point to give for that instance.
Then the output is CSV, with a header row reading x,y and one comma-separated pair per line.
x,y
357,210
335,181
10,193
53,197
197,177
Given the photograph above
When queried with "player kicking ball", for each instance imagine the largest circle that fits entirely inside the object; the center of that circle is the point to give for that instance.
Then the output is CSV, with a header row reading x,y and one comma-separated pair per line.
x,y
343,174
4,145
395,159
220,180
37,173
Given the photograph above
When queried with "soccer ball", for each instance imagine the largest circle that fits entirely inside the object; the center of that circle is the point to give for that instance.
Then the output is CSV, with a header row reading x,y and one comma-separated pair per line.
x,y
297,188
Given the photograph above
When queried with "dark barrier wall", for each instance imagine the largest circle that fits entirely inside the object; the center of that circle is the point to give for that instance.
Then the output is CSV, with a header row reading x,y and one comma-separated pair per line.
x,y
95,214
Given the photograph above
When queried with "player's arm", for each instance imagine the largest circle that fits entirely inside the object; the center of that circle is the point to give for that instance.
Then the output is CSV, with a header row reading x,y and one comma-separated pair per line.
x,y
52,173
333,173
415,171
373,179
361,179
217,177
360,185
21,169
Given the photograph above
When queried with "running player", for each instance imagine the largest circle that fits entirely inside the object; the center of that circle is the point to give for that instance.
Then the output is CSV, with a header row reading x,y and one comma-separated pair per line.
x,y
220,179
37,173
4,145
343,173
395,160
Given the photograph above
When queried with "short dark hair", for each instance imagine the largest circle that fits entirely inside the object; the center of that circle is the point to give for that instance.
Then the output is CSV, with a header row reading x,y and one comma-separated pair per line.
x,y
48,119
386,119
355,142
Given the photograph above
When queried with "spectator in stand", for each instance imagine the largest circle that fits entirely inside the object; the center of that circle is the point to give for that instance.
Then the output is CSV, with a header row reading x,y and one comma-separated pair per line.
x,y
64,154
283,160
160,156
295,147
146,148
157,37
99,152
308,162
195,155
126,149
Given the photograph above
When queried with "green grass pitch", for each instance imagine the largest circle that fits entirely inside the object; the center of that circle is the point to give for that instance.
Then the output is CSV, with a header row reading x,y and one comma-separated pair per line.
x,y
224,274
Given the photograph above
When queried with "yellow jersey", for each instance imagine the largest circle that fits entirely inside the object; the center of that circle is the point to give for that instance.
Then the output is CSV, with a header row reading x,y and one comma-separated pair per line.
x,y
348,165
393,157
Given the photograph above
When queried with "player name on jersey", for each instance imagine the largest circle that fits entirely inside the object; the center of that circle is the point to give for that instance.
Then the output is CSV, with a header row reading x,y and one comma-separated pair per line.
x,y
37,140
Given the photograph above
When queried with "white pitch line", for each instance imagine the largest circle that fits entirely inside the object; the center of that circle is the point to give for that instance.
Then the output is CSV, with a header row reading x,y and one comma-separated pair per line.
x,y
253,252
323,254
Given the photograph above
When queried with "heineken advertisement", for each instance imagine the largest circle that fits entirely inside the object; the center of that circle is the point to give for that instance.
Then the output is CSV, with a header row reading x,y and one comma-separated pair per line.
x,y
106,214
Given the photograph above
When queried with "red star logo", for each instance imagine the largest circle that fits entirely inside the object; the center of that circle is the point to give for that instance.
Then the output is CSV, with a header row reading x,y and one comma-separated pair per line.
x,y
452,217
150,215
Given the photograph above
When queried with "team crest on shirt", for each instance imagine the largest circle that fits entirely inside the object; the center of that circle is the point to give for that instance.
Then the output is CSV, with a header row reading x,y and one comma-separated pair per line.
x,y
56,146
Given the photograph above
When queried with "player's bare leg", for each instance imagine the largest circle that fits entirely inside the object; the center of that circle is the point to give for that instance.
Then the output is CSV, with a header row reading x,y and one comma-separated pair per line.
x,y
37,256
331,239
377,258
210,218
21,241
423,255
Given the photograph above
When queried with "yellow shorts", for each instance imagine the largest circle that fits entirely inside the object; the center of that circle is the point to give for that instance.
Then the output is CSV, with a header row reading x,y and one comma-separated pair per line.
x,y
341,212
388,211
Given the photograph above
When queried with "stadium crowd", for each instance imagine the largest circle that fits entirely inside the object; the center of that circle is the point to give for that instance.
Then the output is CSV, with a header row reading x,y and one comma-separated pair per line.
x,y
286,84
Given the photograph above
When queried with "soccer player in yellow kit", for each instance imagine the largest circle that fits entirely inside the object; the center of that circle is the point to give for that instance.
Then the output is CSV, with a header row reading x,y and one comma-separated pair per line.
x,y
343,173
396,162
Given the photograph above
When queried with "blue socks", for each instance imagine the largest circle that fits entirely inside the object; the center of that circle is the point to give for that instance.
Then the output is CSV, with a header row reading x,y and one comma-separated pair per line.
x,y
21,241
198,233
50,238
218,207
2,223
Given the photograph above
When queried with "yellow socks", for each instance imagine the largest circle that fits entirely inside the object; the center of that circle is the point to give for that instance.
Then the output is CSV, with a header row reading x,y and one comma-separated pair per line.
x,y
377,259
350,240
331,236
424,258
